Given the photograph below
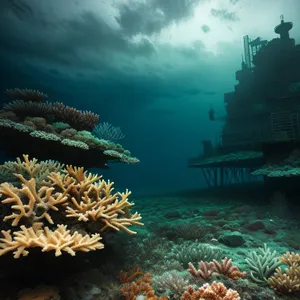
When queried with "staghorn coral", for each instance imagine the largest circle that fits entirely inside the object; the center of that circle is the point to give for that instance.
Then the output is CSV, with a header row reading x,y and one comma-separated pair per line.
x,y
57,240
29,202
91,199
26,95
287,281
29,169
215,291
70,193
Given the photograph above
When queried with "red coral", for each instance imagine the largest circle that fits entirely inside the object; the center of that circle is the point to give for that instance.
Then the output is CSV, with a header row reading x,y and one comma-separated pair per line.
x,y
128,276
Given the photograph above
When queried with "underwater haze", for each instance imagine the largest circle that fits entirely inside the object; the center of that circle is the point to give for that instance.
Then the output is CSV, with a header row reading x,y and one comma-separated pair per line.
x,y
153,68
150,150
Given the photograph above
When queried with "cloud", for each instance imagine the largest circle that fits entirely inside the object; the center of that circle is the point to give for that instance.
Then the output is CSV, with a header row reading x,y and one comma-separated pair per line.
x,y
224,14
152,16
84,40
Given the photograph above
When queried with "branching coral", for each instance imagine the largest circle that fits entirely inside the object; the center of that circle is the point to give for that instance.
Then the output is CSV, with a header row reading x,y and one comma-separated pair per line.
x,y
130,275
191,252
262,263
30,168
215,291
91,199
225,267
204,271
57,240
69,194
171,283
26,95
141,287
76,118
287,281
107,131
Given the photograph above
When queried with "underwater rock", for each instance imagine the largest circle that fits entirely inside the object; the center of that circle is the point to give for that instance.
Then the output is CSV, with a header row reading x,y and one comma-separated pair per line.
x,y
232,239
256,225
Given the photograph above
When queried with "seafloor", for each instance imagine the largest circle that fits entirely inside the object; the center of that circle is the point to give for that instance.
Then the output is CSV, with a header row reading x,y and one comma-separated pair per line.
x,y
178,229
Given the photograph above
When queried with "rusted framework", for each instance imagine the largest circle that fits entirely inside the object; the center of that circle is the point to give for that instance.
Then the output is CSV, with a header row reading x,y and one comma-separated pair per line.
x,y
220,176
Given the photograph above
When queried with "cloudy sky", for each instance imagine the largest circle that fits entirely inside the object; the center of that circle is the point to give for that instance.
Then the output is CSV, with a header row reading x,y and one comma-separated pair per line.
x,y
152,67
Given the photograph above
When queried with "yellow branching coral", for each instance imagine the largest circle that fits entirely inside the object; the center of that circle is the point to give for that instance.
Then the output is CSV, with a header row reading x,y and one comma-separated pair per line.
x,y
29,202
57,240
91,199
288,280
290,258
31,168
70,194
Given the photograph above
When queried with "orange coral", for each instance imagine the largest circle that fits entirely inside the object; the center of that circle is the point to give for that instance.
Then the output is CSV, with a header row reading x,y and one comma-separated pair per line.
x,y
215,291
142,286
128,276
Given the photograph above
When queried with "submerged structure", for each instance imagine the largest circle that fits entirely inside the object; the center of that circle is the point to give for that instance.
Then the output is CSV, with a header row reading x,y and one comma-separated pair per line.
x,y
262,126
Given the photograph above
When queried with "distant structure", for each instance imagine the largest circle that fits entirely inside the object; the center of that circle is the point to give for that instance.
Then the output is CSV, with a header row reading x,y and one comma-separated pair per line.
x,y
262,125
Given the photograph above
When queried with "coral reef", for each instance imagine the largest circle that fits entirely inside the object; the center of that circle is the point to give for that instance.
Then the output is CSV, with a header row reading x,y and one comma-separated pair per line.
x,y
29,123
70,195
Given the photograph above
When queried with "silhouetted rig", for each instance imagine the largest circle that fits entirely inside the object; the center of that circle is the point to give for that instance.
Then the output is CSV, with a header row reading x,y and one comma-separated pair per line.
x,y
261,134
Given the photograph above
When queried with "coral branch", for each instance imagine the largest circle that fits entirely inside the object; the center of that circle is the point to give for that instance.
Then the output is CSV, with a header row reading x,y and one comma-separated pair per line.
x,y
57,240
